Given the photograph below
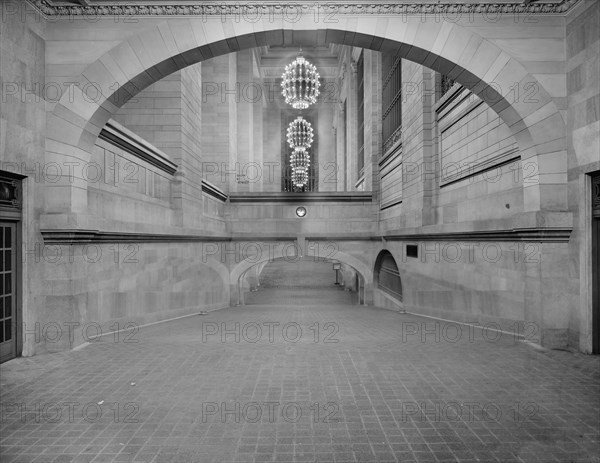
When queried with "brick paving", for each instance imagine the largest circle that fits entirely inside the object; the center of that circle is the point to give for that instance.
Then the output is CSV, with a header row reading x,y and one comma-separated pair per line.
x,y
348,387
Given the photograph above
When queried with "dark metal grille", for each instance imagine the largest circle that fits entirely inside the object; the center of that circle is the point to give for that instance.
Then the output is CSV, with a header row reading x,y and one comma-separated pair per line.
x,y
596,192
391,100
360,73
387,275
446,84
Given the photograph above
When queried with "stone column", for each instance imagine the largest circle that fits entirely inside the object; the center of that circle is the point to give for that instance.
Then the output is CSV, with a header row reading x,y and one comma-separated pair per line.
x,y
373,120
327,157
368,294
230,173
419,156
352,129
245,121
252,275
216,121
272,134
256,171
341,148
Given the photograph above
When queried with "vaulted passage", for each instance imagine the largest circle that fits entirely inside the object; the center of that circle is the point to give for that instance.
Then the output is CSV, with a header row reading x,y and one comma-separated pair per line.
x,y
306,282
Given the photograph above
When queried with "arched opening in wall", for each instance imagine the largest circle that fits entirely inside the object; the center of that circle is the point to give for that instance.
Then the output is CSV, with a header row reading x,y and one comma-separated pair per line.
x,y
387,282
470,69
474,70
306,281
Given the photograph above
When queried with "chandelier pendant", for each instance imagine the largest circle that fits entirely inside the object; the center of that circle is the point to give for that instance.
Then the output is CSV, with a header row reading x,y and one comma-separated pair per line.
x,y
300,136
300,133
300,83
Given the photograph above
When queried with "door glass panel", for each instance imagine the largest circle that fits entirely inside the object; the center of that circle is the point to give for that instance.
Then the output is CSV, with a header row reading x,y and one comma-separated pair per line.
x,y
7,288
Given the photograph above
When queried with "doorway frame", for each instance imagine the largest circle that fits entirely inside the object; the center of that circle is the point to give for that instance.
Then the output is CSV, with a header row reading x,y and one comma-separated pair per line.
x,y
593,227
14,215
586,268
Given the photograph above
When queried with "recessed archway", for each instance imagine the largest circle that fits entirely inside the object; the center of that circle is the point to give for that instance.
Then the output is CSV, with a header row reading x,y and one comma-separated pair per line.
x,y
278,253
308,282
386,275
173,44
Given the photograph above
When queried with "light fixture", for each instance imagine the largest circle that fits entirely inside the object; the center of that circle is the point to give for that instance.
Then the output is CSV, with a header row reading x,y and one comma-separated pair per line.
x,y
299,177
300,161
300,137
300,83
300,133
301,211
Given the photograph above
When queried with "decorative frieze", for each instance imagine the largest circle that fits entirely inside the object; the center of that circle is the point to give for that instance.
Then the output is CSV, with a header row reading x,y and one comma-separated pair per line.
x,y
49,8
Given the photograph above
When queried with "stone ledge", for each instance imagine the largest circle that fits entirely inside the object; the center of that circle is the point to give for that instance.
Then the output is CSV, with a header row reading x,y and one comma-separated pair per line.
x,y
97,236
120,136
212,190
308,197
549,235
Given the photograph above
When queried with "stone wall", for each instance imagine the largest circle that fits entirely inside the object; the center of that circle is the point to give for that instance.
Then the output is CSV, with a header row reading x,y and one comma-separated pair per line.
x,y
478,168
484,280
216,121
457,162
99,288
474,281
167,114
268,216
23,138
125,189
411,168
583,146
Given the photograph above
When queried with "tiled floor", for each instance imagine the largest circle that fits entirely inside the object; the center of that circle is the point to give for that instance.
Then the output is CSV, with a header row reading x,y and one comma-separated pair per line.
x,y
348,387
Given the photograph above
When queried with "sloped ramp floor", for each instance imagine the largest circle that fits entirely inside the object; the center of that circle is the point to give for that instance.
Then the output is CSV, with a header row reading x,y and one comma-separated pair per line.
x,y
304,282
344,384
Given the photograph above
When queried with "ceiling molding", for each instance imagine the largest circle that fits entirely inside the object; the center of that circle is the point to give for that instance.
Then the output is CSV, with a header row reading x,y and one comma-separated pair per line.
x,y
53,8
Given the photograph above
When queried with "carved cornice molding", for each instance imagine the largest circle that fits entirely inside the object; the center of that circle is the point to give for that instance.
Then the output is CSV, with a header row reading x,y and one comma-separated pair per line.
x,y
540,234
120,136
74,236
222,8
213,191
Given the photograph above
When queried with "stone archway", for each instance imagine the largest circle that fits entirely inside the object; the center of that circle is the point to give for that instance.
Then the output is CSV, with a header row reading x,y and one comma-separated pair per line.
x,y
173,44
238,272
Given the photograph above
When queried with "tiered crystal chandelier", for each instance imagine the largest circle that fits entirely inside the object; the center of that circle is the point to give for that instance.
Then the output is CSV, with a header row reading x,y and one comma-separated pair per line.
x,y
300,162
300,137
300,83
